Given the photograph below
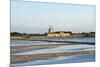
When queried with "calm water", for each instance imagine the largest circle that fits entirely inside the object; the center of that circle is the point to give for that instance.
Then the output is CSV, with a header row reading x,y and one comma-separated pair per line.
x,y
59,60
29,42
56,49
59,49
81,39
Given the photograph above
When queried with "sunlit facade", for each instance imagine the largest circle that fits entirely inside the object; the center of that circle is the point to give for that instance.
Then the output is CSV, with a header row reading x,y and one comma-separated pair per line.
x,y
59,34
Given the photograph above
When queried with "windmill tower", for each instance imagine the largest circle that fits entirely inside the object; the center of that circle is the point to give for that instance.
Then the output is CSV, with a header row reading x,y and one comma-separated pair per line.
x,y
50,29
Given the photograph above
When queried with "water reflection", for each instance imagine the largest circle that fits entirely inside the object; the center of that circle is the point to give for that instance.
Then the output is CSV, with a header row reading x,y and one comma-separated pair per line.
x,y
29,47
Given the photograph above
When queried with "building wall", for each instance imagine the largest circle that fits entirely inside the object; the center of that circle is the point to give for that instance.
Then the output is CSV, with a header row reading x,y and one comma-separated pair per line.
x,y
61,34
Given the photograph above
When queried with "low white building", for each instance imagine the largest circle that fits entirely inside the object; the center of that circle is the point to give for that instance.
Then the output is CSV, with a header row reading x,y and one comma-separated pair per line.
x,y
59,34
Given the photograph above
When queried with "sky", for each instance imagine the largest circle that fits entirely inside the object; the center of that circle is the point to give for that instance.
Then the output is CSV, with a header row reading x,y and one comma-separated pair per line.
x,y
35,17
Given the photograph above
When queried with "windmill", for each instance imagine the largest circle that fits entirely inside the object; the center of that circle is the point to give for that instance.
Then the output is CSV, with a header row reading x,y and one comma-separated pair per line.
x,y
51,29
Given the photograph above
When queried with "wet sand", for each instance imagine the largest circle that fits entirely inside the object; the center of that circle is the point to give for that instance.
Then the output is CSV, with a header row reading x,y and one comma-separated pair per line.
x,y
28,57
17,49
25,58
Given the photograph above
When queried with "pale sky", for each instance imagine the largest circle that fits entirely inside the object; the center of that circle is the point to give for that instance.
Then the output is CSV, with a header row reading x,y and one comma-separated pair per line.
x,y
35,17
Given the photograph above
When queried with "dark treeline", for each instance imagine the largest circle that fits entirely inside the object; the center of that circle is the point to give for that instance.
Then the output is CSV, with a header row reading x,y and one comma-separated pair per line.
x,y
26,34
90,34
85,34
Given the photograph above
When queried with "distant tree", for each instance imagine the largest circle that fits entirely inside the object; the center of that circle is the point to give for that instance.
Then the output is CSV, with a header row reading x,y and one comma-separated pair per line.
x,y
45,34
85,34
30,34
69,32
24,34
15,34
92,32
36,34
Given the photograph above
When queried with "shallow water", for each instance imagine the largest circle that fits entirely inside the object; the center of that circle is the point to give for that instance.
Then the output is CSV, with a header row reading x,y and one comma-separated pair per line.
x,y
29,42
61,59
55,49
81,39
59,49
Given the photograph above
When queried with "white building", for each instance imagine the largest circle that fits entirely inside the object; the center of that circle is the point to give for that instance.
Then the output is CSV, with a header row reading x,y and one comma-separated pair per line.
x,y
59,34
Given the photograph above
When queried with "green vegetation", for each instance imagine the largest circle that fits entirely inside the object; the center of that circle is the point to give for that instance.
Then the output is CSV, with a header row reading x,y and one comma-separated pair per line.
x,y
37,35
25,35
90,34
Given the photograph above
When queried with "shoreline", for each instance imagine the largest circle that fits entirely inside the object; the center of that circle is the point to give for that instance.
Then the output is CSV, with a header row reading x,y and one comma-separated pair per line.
x,y
25,58
23,37
73,42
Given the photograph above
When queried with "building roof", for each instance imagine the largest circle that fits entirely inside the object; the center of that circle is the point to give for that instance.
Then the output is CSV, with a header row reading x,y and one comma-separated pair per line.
x,y
61,31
